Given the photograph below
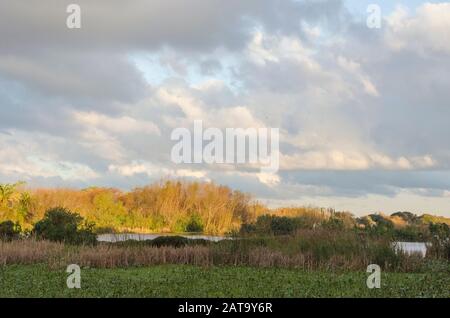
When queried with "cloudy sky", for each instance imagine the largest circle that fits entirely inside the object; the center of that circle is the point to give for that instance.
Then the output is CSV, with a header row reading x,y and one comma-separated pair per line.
x,y
363,113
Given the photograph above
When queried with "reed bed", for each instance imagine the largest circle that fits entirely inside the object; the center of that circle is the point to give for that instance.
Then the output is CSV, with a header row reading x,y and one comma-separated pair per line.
x,y
30,252
112,257
58,255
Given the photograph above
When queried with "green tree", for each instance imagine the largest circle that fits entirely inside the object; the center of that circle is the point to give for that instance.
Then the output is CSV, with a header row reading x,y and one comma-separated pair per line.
x,y
9,230
10,198
61,225
9,194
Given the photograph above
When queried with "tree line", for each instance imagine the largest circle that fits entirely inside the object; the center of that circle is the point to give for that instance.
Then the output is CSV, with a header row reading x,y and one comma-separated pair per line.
x,y
182,206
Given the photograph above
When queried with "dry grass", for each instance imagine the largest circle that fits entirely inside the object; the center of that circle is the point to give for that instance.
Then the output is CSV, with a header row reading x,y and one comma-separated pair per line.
x,y
56,255
111,257
101,256
121,257
29,252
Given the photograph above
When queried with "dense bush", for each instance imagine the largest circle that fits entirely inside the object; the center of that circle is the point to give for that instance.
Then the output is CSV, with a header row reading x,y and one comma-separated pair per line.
x,y
282,225
195,224
408,217
410,234
270,224
174,241
334,223
9,231
61,225
440,240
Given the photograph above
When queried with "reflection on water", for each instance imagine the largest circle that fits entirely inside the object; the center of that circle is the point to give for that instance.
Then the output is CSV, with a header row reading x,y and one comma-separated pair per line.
x,y
144,237
411,247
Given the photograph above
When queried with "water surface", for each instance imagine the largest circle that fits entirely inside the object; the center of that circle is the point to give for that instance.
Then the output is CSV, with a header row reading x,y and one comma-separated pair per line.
x,y
411,247
144,237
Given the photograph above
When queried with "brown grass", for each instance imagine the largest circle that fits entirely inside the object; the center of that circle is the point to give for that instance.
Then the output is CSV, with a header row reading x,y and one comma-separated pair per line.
x,y
112,257
29,252
56,255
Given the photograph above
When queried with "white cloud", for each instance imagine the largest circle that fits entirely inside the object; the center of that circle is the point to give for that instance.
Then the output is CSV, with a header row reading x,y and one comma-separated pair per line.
x,y
156,171
120,125
265,48
63,169
270,179
426,31
360,112
353,160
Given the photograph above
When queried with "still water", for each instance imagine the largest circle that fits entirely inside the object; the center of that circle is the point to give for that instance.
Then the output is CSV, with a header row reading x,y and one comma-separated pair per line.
x,y
411,247
144,237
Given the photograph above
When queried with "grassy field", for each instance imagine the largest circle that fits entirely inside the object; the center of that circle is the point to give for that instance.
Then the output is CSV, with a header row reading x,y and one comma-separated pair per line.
x,y
193,281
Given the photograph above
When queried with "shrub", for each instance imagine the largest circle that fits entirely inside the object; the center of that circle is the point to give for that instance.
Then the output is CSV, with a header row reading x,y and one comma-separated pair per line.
x,y
9,230
440,240
385,256
61,225
282,225
247,228
408,217
174,241
195,224
271,224
334,223
410,234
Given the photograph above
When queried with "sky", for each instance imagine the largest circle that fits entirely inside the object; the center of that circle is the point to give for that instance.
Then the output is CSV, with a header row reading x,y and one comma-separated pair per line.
x,y
363,113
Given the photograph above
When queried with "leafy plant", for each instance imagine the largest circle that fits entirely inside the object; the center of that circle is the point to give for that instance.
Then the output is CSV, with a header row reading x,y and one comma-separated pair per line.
x,y
61,225
174,241
270,224
195,224
9,230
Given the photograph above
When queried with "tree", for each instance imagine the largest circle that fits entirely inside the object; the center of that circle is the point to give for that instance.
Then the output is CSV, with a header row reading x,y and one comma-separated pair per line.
x,y
61,225
9,194
14,204
9,230
408,217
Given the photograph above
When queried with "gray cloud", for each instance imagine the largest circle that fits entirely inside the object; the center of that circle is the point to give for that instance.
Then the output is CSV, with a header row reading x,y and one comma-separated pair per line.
x,y
87,77
197,24
359,115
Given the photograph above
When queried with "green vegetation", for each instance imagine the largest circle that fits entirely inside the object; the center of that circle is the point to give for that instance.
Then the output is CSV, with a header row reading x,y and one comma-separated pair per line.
x,y
61,225
9,231
275,225
176,207
306,238
272,253
192,281
275,256
170,206
349,231
312,250
174,241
